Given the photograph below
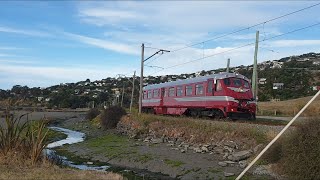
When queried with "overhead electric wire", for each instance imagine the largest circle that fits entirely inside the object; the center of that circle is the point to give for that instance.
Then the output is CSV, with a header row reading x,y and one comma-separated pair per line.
x,y
236,31
245,45
247,28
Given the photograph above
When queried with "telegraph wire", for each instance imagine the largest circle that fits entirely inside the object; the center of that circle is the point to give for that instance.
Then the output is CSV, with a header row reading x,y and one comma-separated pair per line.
x,y
247,28
239,47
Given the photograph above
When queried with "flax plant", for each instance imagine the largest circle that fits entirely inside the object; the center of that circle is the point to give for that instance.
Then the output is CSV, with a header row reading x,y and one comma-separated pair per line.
x,y
11,133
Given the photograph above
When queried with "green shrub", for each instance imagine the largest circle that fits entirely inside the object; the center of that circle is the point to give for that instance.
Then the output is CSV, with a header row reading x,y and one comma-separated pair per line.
x,y
92,113
111,116
301,159
297,154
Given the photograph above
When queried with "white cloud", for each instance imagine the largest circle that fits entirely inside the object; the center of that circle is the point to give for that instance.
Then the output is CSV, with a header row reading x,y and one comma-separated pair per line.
x,y
118,47
24,32
294,43
33,75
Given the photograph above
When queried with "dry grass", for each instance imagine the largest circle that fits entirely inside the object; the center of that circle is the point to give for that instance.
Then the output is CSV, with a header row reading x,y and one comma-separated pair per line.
x,y
14,168
289,107
196,131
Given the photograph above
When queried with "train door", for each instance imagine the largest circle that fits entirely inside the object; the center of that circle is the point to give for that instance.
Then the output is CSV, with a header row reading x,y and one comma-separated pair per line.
x,y
162,96
210,87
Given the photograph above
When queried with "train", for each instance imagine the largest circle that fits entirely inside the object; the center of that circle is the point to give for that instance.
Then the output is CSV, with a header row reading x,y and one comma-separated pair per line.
x,y
223,95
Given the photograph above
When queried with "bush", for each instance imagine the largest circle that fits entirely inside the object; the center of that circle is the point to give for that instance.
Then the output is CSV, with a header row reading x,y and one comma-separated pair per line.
x,y
92,113
301,158
111,116
297,154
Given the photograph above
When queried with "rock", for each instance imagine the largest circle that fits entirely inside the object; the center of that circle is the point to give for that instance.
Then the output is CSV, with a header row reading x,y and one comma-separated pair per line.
x,y
229,162
218,150
182,151
177,149
231,144
257,148
157,141
241,155
225,156
226,174
223,164
264,170
226,148
204,149
171,145
243,163
90,163
197,150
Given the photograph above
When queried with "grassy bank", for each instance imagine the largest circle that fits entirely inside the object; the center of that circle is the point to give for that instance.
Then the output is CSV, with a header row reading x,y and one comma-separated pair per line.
x,y
289,107
16,169
196,131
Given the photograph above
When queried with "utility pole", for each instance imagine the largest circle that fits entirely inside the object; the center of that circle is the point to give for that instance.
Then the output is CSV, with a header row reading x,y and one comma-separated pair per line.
x,y
255,72
122,95
132,93
228,65
141,78
141,75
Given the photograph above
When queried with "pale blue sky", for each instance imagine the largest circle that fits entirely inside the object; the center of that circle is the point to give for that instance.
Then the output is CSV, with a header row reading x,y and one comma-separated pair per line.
x,y
47,43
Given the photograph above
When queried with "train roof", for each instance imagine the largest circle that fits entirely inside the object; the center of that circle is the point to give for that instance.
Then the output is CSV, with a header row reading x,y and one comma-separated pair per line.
x,y
195,80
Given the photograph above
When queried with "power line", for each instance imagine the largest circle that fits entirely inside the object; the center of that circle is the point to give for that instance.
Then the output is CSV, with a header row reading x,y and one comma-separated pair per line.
x,y
239,47
247,28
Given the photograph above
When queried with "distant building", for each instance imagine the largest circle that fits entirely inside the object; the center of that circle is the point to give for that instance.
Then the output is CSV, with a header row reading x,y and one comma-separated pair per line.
x,y
278,86
262,80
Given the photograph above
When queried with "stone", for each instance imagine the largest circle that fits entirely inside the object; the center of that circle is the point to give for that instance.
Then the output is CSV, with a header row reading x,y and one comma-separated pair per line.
x,y
257,148
230,150
204,149
171,145
231,144
243,163
229,162
227,174
218,150
241,155
157,141
90,163
225,156
223,164
182,151
177,149
197,150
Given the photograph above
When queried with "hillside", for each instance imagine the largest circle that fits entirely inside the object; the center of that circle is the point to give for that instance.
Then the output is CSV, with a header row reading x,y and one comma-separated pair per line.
x,y
286,78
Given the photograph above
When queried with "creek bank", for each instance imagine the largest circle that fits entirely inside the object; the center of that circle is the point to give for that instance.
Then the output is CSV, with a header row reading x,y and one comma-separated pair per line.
x,y
172,157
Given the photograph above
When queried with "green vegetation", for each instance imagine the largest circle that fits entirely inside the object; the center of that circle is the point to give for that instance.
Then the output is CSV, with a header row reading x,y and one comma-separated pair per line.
x,y
92,113
297,154
111,145
111,116
173,163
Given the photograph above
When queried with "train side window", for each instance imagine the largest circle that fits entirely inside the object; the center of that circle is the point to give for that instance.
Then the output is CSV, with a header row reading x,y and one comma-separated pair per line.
x,y
210,86
188,90
179,91
149,94
156,93
145,95
199,89
165,92
171,91
227,81
218,85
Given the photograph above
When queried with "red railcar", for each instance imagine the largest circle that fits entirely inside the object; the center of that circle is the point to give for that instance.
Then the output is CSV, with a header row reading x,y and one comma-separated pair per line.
x,y
218,95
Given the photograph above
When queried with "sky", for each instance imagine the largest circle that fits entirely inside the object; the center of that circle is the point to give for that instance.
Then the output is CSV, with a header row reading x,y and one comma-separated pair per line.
x,y
44,43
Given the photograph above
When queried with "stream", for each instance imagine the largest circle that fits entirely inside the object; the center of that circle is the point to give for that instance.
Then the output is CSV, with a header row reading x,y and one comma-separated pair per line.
x,y
76,137
72,137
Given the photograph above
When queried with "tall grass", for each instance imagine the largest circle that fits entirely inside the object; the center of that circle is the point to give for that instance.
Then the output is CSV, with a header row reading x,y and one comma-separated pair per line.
x,y
11,133
26,138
